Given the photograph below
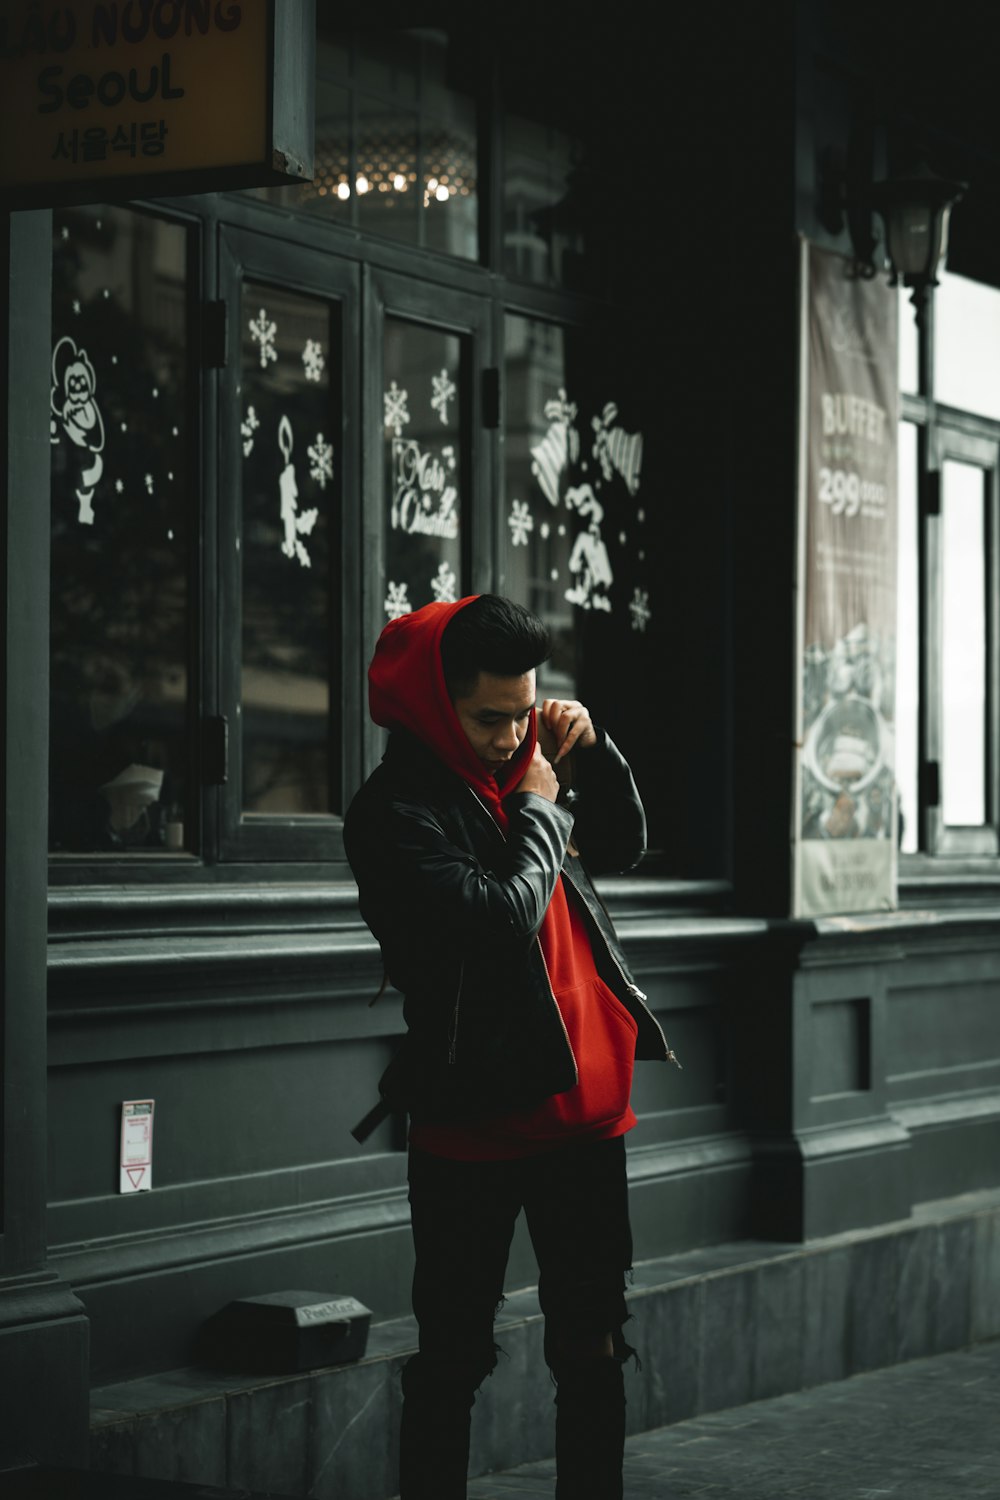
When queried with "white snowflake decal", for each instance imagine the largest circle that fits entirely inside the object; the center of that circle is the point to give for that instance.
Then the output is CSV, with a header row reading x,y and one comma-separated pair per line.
x,y
76,305
520,522
444,391
263,332
149,483
396,411
444,584
396,603
248,427
321,466
119,487
639,609
312,359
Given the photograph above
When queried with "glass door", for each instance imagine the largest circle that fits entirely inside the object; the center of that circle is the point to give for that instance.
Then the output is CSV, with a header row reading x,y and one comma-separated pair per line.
x,y
426,517
288,489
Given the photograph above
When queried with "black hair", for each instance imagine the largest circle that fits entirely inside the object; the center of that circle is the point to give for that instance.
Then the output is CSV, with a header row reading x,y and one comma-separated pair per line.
x,y
495,635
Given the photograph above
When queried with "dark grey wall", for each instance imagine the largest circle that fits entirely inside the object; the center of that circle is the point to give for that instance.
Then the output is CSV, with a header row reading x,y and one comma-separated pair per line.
x,y
43,1331
831,1079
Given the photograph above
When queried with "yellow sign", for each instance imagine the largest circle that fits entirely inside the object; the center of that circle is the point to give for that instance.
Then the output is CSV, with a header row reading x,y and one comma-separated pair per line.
x,y
92,93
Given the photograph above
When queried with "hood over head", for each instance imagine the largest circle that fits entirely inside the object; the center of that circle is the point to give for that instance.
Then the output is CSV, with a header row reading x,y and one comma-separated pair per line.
x,y
407,691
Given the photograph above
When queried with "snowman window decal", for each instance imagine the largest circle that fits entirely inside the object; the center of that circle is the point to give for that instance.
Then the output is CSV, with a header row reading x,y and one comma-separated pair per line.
x,y
75,410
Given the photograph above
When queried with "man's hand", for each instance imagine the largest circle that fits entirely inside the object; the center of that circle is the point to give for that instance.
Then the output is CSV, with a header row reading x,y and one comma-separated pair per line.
x,y
539,777
562,725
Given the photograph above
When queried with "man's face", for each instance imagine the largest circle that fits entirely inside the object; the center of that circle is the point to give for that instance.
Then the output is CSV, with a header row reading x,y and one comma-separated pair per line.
x,y
494,715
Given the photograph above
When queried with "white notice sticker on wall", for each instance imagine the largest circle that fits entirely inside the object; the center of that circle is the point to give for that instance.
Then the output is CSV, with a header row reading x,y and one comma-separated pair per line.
x,y
136,1165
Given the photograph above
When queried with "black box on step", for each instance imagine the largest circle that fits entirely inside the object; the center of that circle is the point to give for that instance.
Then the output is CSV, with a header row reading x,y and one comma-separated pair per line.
x,y
285,1332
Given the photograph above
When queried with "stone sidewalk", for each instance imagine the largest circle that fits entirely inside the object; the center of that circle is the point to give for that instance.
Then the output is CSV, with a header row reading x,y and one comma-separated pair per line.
x,y
928,1429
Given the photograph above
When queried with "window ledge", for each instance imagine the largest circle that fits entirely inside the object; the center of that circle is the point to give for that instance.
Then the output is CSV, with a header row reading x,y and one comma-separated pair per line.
x,y
127,913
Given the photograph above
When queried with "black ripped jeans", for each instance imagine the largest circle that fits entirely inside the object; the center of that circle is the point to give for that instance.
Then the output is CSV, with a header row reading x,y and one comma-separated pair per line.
x,y
575,1200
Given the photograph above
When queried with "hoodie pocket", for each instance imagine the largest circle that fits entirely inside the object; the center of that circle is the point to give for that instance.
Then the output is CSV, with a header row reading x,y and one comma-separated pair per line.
x,y
602,1034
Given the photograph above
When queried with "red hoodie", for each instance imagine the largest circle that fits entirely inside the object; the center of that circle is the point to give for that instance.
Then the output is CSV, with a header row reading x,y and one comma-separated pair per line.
x,y
406,690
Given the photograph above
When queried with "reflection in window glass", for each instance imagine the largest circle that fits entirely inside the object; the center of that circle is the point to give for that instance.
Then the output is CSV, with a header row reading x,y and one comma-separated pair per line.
x,y
423,466
963,646
907,642
396,142
387,196
448,183
967,345
329,193
575,522
289,431
909,367
541,236
120,535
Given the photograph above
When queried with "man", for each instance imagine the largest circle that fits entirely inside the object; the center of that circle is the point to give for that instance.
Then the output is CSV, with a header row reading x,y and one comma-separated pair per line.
x,y
468,844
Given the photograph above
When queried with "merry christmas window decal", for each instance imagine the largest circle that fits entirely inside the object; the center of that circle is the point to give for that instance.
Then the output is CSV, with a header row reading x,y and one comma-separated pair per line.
x,y
421,410
290,477
120,534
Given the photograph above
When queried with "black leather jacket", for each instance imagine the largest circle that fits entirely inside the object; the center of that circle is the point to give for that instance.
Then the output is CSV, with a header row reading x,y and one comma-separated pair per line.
x,y
456,905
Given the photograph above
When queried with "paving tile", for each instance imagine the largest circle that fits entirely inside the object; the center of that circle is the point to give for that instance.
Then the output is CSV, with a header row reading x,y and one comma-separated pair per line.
x,y
925,1429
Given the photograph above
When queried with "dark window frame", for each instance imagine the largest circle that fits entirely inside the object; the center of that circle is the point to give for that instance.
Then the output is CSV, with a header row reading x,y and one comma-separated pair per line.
x,y
944,433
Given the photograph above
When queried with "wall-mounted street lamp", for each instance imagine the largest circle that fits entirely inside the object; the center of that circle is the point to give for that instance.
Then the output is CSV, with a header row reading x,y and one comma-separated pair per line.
x,y
915,207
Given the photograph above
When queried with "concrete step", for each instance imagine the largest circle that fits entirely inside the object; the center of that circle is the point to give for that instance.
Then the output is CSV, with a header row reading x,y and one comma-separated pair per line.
x,y
715,1329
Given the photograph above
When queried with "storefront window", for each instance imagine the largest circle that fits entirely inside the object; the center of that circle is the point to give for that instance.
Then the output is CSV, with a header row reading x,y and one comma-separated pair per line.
x,y
121,535
909,354
963,638
396,142
949,519
542,237
967,345
576,547
290,747
422,417
907,672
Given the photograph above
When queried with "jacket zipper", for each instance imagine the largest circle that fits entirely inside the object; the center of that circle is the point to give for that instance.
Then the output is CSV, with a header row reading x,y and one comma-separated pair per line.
x,y
453,1031
555,1007
633,989
486,810
639,994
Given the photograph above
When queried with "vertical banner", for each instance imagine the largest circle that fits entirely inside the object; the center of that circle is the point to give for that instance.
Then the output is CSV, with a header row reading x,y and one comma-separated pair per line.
x,y
845,821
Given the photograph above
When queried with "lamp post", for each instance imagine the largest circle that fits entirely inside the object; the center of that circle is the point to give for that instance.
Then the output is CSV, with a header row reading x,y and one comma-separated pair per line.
x,y
915,207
